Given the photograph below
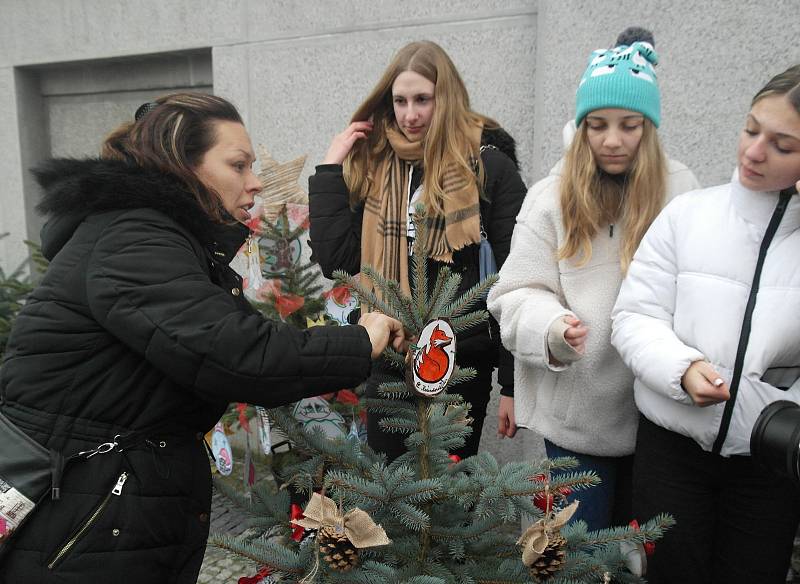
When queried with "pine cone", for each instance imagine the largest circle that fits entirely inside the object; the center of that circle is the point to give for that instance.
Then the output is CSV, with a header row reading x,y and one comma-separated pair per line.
x,y
336,549
551,561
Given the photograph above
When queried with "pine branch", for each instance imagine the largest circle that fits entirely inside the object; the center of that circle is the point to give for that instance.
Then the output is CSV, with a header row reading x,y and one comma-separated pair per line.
x,y
467,321
394,295
365,297
469,298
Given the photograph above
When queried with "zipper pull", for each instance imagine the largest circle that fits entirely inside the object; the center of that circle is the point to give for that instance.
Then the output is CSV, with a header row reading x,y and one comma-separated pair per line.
x,y
117,490
611,230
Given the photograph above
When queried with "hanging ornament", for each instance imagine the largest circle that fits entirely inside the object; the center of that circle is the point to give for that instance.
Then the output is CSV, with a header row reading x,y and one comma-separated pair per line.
x,y
549,499
543,547
315,412
353,429
263,430
432,359
339,303
221,449
635,554
253,278
341,535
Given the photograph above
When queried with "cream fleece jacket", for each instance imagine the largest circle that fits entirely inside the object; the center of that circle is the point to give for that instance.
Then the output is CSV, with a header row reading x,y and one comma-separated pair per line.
x,y
587,405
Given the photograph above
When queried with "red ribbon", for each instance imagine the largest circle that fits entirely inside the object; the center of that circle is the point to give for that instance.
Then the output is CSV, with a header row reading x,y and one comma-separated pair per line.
x,y
262,573
243,421
288,303
296,512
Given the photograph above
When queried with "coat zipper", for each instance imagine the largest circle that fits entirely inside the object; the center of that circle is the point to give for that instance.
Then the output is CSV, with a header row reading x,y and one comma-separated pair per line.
x,y
117,491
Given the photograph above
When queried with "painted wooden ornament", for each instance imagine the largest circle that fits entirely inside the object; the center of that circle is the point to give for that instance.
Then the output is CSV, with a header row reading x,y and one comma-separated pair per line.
x,y
433,359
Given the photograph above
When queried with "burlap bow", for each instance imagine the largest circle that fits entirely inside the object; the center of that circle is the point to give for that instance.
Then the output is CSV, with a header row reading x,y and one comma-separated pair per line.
x,y
358,526
537,536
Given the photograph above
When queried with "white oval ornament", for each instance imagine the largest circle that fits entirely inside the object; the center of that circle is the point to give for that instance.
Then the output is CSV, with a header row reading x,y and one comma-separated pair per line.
x,y
221,449
434,358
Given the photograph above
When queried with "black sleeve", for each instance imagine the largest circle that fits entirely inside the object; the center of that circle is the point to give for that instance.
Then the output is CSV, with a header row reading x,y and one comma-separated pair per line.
x,y
335,230
506,192
146,285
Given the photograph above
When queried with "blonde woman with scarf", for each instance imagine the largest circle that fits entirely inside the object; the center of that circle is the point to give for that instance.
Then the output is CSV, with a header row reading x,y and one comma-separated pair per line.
x,y
413,141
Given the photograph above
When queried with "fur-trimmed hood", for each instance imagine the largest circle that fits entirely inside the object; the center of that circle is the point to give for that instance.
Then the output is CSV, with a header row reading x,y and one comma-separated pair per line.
x,y
75,189
502,140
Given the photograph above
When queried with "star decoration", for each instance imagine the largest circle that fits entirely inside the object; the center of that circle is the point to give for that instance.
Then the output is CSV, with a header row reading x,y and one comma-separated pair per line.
x,y
280,184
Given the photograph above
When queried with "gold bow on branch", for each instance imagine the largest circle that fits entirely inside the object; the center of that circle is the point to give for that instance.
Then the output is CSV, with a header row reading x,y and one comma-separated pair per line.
x,y
537,536
358,526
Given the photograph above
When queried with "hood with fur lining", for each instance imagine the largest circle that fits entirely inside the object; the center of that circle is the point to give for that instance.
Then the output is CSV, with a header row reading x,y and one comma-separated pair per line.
x,y
74,189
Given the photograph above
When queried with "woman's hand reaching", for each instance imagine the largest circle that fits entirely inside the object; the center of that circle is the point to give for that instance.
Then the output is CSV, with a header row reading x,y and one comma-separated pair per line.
x,y
342,143
383,331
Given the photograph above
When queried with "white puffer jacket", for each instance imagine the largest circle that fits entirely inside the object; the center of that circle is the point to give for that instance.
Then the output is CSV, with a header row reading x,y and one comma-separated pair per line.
x,y
684,299
586,406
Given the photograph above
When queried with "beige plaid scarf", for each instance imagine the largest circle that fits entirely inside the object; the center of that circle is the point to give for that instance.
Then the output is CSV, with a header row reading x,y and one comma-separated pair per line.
x,y
383,233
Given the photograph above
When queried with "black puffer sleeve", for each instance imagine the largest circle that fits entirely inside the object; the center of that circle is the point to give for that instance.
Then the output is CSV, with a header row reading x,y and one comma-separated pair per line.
x,y
335,230
506,191
146,285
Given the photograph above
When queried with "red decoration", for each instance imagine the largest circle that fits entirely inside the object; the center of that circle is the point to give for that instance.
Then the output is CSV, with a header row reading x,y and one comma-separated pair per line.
x,y
243,421
455,458
285,304
288,304
347,397
262,573
340,294
547,502
254,224
649,546
296,513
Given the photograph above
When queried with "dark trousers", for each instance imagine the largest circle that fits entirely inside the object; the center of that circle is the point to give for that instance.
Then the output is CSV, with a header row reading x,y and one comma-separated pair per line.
x,y
735,522
608,503
476,392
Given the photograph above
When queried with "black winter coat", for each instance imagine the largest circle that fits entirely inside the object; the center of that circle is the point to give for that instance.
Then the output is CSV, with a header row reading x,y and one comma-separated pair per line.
x,y
139,324
336,239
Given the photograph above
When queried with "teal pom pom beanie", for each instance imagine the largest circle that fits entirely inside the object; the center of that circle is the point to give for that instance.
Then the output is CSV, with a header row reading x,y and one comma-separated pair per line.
x,y
622,77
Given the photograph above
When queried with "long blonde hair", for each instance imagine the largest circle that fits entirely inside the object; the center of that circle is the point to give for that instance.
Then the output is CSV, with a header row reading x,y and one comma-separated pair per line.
x,y
446,144
591,199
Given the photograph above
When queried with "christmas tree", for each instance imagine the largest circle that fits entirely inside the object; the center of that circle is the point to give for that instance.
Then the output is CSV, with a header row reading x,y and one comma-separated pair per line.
x,y
426,518
15,288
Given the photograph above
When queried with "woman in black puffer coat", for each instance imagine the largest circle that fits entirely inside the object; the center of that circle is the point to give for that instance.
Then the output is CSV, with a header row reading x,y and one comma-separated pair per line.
x,y
140,329
413,141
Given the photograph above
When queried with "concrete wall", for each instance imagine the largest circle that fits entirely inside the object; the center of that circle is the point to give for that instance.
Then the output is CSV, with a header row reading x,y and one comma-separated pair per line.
x,y
713,57
72,69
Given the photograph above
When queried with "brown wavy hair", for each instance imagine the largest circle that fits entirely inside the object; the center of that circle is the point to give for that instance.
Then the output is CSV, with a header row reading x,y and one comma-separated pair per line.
x,y
446,144
172,138
591,199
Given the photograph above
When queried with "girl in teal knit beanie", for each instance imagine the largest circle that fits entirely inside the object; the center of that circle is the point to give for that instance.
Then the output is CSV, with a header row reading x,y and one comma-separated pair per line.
x,y
574,239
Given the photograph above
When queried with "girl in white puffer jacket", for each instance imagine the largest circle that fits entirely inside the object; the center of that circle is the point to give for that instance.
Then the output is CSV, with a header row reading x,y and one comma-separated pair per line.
x,y
708,320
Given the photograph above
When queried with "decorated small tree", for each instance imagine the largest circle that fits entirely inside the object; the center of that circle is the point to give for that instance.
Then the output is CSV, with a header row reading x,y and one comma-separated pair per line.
x,y
425,518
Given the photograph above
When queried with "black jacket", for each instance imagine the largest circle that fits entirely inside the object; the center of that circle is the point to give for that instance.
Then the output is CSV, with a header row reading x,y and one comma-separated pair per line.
x,y
139,324
336,238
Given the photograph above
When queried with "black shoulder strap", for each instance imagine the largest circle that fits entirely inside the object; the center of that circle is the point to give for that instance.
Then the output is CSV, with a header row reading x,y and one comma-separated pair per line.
x,y
744,336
